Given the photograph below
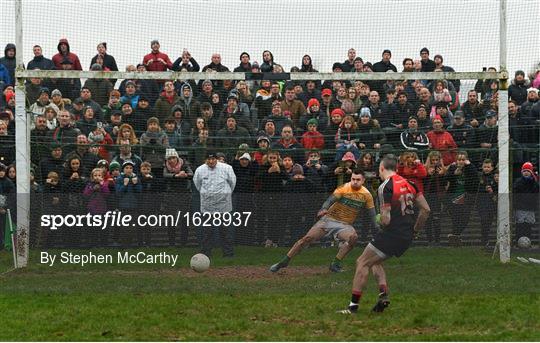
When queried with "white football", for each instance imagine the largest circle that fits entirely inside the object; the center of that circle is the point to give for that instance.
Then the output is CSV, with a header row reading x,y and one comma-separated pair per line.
x,y
200,263
524,242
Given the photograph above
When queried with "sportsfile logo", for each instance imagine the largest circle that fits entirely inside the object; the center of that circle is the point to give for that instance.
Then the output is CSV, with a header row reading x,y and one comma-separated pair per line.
x,y
117,219
107,220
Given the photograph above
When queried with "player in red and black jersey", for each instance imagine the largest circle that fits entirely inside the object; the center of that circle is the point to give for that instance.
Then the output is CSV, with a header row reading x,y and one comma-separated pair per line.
x,y
399,199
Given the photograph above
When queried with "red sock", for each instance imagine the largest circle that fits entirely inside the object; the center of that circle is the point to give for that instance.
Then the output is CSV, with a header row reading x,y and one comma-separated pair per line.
x,y
383,288
356,295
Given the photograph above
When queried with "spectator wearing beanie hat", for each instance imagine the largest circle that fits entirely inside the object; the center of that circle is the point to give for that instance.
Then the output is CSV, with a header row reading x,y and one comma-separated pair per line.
x,y
157,60
312,138
525,200
314,112
370,134
336,117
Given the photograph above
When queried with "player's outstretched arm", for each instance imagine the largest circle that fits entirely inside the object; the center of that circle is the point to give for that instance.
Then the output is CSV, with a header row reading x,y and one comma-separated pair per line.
x,y
423,213
326,205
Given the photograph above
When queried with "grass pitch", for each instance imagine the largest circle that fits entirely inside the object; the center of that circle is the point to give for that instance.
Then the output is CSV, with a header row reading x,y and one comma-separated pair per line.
x,y
436,293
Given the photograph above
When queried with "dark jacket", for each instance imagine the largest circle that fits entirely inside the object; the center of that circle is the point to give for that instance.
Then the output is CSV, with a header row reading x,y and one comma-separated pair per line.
x,y
50,164
67,136
271,182
108,62
487,135
41,63
245,176
174,184
9,62
370,134
416,140
428,65
525,194
192,66
100,89
518,91
463,135
472,111
128,195
468,180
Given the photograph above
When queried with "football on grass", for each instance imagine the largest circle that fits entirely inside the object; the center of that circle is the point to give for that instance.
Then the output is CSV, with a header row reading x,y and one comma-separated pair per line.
x,y
200,263
524,242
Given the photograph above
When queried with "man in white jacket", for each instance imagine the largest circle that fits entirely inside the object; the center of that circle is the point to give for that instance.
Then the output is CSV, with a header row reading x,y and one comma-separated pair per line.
x,y
215,182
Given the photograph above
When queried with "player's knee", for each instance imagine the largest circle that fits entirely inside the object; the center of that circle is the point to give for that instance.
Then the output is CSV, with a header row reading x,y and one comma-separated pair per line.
x,y
360,262
307,240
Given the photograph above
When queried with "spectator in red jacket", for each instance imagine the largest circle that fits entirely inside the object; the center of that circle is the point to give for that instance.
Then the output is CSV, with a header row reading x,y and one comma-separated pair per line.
x,y
411,168
441,140
64,53
312,138
156,60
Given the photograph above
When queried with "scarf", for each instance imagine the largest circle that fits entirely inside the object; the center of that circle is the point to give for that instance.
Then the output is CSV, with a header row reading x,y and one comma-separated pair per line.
x,y
176,168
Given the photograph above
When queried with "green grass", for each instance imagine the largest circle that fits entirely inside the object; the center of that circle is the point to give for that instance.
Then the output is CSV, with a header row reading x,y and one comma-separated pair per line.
x,y
437,294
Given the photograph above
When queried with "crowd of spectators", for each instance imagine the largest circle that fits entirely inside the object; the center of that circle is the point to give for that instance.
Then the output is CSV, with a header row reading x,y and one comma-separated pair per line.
x,y
284,139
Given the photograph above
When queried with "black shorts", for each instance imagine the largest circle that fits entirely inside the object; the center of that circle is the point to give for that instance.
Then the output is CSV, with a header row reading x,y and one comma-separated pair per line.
x,y
391,245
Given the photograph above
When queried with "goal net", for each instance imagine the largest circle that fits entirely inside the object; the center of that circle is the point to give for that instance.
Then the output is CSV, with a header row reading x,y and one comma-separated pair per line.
x,y
122,131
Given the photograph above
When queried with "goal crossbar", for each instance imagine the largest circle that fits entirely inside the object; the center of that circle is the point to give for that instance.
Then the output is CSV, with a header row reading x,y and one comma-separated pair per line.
x,y
171,75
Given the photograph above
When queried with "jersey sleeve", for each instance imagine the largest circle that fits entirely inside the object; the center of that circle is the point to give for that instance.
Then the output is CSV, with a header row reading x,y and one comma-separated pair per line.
x,y
339,192
414,186
385,194
369,200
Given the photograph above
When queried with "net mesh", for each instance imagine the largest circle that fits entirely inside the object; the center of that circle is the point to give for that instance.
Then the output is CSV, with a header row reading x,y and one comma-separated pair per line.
x,y
283,205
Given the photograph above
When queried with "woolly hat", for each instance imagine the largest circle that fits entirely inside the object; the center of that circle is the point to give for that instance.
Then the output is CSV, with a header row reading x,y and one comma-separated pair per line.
x,y
437,117
263,138
313,102
527,166
126,163
365,112
44,90
171,153
313,121
102,163
56,92
338,111
114,166
297,169
245,156
152,120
